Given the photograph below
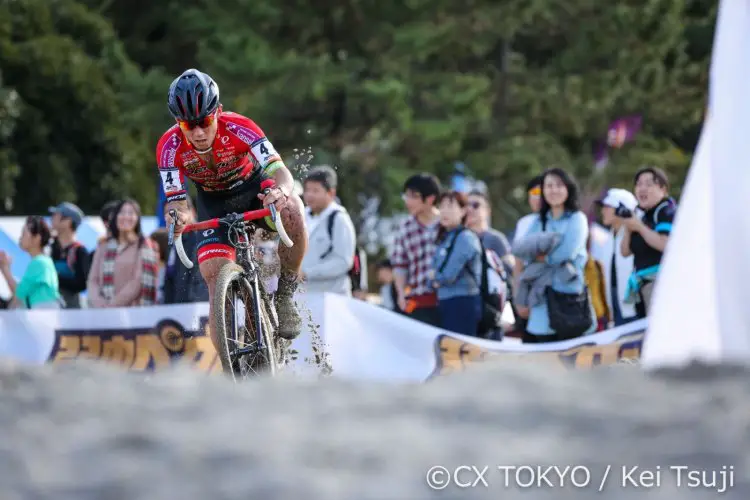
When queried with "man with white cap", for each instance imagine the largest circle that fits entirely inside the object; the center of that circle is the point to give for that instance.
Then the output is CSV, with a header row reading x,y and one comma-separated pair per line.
x,y
616,205
70,257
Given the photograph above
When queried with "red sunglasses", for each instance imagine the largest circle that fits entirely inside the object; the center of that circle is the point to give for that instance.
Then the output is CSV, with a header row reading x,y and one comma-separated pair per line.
x,y
205,122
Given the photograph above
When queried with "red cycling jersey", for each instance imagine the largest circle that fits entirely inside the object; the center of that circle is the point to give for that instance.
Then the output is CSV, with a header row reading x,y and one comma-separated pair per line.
x,y
239,149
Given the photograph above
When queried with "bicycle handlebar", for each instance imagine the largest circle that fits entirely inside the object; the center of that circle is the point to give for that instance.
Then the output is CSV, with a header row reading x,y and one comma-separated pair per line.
x,y
251,215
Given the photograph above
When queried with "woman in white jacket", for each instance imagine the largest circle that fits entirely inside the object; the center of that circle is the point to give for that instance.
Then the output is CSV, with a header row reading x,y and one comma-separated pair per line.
x,y
614,202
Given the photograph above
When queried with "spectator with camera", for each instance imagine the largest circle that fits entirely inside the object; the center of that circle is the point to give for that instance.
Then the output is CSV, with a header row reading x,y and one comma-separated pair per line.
x,y
616,205
646,234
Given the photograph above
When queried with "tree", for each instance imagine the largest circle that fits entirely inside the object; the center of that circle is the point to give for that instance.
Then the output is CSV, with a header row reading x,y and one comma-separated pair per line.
x,y
511,87
74,136
379,89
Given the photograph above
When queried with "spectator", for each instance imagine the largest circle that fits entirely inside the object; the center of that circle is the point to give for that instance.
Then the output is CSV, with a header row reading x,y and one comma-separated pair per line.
x,y
617,267
457,267
594,276
38,288
332,240
646,235
414,247
160,237
477,219
388,294
105,214
534,199
125,266
561,276
183,285
70,257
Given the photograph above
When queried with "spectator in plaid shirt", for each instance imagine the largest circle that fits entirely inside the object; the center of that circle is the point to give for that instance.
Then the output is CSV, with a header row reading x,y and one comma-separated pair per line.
x,y
414,247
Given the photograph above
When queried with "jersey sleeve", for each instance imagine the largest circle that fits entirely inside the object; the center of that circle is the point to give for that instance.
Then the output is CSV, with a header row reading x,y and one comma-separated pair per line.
x,y
170,173
261,149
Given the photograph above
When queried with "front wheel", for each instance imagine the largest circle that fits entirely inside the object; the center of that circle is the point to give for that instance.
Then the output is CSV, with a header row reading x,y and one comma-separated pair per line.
x,y
235,305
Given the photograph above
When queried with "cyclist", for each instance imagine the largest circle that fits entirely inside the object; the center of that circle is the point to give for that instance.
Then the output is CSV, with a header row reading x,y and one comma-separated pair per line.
x,y
227,156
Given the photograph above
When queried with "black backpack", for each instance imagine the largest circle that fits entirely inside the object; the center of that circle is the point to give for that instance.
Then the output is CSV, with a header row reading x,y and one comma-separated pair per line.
x,y
492,303
360,258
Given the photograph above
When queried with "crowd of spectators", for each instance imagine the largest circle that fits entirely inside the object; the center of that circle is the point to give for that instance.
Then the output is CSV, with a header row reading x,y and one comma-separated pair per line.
x,y
448,267
556,287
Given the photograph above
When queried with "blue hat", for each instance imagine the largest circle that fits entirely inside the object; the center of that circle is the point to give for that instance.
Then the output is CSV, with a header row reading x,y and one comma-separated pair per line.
x,y
69,210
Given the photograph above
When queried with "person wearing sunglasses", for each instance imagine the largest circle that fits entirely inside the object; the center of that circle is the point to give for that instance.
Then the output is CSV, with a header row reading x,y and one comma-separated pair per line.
x,y
228,156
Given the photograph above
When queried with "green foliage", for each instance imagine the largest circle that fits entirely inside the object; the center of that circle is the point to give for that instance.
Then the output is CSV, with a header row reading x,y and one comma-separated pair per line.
x,y
379,89
74,136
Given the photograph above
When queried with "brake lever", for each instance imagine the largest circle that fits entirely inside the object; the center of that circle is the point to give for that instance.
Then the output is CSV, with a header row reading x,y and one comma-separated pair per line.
x,y
271,206
170,236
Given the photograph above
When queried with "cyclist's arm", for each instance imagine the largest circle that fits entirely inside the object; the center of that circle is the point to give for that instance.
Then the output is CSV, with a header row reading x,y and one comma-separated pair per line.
x,y
170,175
282,176
268,159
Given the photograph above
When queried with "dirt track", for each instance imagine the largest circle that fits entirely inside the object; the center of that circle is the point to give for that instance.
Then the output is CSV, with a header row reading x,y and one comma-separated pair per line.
x,y
92,432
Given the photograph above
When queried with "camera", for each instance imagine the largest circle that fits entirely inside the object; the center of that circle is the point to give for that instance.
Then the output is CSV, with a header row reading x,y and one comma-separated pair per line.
x,y
623,212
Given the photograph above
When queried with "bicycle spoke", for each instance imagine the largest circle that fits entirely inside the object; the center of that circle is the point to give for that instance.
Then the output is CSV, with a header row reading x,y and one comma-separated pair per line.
x,y
243,335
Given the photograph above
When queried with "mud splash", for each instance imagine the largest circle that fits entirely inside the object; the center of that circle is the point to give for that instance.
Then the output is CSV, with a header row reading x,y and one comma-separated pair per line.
x,y
320,358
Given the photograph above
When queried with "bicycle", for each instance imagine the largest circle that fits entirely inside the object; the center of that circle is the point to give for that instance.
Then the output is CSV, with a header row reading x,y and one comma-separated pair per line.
x,y
254,347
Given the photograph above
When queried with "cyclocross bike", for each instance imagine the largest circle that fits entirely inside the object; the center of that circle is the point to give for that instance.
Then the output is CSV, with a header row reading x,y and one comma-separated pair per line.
x,y
244,313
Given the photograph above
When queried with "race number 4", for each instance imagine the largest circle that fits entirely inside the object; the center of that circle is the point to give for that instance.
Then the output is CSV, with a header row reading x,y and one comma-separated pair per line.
x,y
170,179
264,152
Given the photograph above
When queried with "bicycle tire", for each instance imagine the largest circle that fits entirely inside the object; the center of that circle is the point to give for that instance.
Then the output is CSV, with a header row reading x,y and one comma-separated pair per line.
x,y
232,275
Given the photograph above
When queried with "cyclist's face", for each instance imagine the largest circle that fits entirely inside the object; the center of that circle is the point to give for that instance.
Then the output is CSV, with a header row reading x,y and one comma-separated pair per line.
x,y
316,196
202,137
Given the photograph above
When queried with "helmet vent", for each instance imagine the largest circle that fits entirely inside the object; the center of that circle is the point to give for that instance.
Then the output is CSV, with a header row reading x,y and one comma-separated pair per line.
x,y
191,110
181,106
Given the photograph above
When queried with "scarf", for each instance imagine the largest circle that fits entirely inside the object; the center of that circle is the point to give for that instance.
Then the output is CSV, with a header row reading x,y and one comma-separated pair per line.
x,y
149,271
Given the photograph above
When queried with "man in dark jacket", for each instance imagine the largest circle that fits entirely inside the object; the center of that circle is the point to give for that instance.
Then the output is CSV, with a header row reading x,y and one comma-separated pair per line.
x,y
70,257
183,285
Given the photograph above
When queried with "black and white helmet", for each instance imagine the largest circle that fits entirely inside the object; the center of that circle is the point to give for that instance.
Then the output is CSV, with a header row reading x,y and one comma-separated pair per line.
x,y
192,96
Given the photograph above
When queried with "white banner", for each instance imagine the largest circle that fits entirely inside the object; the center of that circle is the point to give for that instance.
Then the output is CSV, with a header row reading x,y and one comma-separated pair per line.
x,y
360,340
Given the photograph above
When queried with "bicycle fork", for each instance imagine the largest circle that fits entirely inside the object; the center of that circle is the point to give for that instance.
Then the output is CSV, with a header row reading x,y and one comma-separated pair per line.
x,y
259,337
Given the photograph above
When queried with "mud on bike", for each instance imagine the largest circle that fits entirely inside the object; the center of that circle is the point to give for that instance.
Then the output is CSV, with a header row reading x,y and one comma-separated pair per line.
x,y
244,314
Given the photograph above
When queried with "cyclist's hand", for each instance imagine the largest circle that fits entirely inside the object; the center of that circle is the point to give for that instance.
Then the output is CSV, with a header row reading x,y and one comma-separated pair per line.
x,y
179,221
275,196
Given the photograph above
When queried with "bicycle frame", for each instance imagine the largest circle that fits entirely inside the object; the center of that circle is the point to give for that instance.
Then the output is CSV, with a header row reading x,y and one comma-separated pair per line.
x,y
241,235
